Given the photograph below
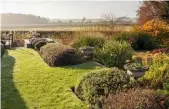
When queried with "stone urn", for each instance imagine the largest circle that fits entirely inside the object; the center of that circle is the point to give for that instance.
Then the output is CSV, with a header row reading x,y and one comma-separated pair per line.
x,y
135,69
87,52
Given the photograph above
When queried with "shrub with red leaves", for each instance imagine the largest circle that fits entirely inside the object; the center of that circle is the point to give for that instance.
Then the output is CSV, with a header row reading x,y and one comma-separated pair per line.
x,y
162,50
137,99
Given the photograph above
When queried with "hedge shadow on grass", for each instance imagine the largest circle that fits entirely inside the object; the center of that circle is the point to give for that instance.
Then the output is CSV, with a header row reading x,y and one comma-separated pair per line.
x,y
86,65
11,98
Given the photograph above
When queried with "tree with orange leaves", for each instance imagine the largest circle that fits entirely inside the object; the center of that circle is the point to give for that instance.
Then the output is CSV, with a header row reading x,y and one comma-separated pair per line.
x,y
150,10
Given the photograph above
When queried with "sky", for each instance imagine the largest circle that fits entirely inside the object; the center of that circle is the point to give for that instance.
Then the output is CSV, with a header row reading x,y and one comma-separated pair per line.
x,y
71,9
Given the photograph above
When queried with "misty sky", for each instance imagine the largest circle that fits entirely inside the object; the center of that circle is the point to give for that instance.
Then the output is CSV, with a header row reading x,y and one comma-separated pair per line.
x,y
71,9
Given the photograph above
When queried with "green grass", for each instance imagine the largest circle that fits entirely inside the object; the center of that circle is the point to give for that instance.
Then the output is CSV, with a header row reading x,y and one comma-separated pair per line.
x,y
29,83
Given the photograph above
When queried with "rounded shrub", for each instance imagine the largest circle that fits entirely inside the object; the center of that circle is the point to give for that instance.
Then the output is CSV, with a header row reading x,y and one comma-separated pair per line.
x,y
139,40
143,42
39,44
56,54
113,53
92,41
99,83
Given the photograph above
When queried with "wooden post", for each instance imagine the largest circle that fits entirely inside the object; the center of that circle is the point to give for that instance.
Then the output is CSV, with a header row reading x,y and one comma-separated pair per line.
x,y
10,39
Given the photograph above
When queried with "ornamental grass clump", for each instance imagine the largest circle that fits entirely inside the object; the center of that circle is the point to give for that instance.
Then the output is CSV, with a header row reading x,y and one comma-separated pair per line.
x,y
89,40
114,53
158,72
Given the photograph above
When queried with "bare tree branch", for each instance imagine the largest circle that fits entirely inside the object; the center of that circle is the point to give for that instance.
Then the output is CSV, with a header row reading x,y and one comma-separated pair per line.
x,y
111,21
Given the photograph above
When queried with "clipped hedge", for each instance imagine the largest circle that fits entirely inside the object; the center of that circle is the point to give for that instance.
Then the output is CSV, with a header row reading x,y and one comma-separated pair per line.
x,y
56,54
113,53
98,83
39,44
37,40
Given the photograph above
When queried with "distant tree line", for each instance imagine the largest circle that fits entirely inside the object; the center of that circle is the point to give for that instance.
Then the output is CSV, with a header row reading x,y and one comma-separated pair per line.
x,y
9,18
27,20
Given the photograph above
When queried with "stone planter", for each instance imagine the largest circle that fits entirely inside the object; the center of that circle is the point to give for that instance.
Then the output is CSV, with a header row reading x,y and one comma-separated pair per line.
x,y
136,73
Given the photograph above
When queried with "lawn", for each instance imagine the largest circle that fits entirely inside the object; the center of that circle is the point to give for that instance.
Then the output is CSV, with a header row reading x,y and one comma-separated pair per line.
x,y
29,83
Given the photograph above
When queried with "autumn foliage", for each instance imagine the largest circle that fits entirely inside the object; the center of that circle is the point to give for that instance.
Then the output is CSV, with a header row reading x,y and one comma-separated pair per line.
x,y
156,27
150,10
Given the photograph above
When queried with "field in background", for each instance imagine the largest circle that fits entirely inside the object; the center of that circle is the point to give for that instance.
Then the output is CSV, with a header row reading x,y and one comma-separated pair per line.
x,y
64,34
67,28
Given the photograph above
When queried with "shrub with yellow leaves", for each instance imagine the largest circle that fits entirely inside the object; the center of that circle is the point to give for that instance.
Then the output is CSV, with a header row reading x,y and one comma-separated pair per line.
x,y
159,30
158,72
156,27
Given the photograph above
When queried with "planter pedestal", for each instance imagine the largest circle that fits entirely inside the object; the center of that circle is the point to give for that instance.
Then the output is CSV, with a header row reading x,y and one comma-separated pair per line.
x,y
136,74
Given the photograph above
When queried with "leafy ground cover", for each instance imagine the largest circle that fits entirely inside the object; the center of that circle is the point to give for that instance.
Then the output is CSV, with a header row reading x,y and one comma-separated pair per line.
x,y
28,82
